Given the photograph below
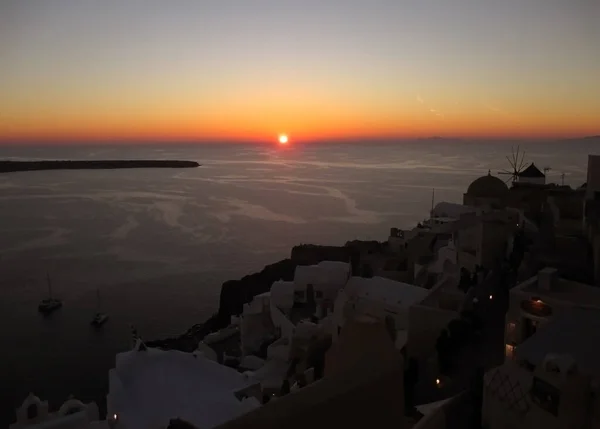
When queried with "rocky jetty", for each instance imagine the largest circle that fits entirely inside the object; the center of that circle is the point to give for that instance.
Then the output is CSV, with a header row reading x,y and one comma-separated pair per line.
x,y
235,293
13,166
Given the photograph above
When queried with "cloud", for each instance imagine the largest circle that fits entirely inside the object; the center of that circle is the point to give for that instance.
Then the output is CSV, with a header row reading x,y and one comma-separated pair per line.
x,y
436,112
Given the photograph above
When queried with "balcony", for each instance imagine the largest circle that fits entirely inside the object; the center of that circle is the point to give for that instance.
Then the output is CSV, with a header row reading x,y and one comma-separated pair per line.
x,y
536,307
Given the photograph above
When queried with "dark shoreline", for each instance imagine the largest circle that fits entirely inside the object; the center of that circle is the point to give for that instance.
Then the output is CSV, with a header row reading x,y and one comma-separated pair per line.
x,y
15,166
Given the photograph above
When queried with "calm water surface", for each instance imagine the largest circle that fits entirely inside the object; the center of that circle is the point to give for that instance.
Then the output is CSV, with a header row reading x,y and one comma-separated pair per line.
x,y
159,243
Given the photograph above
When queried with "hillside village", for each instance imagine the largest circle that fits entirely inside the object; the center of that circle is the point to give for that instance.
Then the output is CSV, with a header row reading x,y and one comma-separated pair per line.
x,y
486,314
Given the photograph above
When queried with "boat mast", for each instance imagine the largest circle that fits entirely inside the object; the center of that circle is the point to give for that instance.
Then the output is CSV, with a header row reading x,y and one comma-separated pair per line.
x,y
49,285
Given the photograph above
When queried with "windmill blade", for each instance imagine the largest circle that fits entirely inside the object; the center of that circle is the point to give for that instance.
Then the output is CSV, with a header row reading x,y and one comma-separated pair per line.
x,y
505,172
512,164
510,179
522,164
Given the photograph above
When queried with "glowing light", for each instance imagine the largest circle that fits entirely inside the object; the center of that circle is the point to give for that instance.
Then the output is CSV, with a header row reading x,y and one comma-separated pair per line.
x,y
283,139
437,381
491,297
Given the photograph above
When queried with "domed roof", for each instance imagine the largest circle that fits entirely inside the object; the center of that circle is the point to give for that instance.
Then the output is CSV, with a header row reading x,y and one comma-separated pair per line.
x,y
487,187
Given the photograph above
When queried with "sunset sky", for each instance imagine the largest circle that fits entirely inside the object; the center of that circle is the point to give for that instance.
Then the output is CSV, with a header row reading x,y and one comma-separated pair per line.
x,y
314,69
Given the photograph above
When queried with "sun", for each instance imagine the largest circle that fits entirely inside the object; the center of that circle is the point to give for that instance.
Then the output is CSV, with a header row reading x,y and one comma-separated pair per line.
x,y
283,139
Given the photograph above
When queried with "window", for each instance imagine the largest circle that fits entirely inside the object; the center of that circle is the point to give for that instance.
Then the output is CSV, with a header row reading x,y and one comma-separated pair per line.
x,y
545,395
511,331
32,411
319,294
510,351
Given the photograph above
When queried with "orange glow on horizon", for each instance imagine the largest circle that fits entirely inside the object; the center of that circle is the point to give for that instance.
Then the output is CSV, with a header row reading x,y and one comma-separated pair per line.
x,y
320,117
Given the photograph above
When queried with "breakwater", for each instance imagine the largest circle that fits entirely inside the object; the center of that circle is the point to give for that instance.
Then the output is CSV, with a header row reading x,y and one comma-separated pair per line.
x,y
15,166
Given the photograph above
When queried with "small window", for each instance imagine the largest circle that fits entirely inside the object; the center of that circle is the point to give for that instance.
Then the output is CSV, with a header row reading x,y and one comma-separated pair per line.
x,y
32,411
319,294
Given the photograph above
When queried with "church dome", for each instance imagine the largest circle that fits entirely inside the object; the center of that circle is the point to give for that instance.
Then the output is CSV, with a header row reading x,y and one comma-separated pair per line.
x,y
487,187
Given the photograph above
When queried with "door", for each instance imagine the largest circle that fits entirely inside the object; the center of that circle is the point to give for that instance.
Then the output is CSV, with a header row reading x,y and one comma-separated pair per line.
x,y
529,327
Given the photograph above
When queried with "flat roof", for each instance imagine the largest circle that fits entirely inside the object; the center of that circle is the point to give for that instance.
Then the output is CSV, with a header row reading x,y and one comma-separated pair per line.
x,y
576,334
385,290
149,387
564,290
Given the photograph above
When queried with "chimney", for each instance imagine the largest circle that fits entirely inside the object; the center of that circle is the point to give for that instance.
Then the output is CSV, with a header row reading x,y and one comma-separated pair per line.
x,y
547,278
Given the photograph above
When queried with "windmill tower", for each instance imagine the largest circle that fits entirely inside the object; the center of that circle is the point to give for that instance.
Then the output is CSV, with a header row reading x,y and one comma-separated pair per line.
x,y
517,164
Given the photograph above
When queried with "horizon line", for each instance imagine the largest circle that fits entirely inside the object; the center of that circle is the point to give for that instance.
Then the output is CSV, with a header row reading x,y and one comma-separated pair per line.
x,y
346,140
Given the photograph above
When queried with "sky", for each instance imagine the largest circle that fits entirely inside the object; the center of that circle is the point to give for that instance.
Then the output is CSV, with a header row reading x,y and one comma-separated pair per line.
x,y
313,69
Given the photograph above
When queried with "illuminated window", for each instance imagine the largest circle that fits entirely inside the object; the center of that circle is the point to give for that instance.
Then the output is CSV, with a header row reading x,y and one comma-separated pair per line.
x,y
510,351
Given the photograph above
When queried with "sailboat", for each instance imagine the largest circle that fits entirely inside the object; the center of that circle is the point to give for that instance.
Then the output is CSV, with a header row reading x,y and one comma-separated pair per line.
x,y
99,318
49,304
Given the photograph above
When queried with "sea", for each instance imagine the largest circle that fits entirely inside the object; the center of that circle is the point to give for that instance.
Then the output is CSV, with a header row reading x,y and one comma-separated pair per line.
x,y
151,247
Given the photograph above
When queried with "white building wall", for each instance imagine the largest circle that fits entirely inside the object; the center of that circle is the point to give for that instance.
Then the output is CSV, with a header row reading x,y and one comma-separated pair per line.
x,y
282,294
252,333
282,323
258,305
338,317
532,180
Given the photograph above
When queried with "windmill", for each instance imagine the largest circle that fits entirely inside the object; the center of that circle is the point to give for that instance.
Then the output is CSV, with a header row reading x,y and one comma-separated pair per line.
x,y
517,164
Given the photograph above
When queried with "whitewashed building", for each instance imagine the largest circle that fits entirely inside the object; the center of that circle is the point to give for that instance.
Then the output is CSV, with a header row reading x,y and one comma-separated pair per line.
x,y
149,387
554,380
377,298
73,414
535,302
320,282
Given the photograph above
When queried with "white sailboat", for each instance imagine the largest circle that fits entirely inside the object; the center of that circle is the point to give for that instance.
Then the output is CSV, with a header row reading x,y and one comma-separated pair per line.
x,y
99,318
49,304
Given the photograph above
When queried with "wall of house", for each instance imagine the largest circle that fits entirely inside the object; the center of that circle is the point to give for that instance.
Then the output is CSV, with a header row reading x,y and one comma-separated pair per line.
x,y
379,310
254,328
280,349
576,406
425,324
517,316
282,323
532,180
435,420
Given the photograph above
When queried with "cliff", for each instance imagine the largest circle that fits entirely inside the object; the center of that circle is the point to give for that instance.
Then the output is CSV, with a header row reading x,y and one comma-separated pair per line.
x,y
235,293
13,166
